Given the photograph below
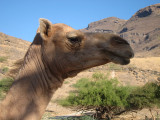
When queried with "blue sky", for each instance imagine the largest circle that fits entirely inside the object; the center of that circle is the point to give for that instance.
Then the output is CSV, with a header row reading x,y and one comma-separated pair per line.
x,y
19,18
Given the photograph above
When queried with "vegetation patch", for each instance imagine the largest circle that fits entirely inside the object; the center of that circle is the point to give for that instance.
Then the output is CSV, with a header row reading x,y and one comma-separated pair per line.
x,y
145,97
116,67
5,84
3,59
5,70
66,82
108,98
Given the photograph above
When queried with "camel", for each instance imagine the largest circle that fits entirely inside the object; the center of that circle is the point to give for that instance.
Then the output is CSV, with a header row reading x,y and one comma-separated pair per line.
x,y
57,52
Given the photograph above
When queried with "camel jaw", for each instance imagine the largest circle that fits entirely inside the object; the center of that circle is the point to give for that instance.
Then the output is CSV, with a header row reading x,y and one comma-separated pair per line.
x,y
74,72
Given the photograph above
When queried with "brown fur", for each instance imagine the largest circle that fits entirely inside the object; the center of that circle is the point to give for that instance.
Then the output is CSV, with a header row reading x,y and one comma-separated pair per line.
x,y
57,52
16,67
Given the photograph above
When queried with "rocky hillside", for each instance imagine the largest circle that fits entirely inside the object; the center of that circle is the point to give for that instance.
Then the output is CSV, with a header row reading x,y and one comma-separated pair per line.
x,y
11,49
142,30
109,25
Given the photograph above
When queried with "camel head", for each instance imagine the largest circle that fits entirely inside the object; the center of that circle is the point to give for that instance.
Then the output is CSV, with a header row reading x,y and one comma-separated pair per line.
x,y
68,51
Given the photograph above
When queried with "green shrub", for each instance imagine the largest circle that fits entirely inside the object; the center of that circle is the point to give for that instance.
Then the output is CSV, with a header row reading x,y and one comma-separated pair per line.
x,y
106,95
83,82
157,91
113,66
5,69
66,82
2,59
98,76
100,91
145,96
5,84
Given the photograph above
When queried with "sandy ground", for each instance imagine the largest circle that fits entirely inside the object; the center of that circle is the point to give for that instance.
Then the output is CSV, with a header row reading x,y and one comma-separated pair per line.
x,y
151,63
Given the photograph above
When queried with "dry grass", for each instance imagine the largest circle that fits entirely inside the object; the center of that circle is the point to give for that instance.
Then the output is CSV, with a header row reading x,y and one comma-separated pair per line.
x,y
151,63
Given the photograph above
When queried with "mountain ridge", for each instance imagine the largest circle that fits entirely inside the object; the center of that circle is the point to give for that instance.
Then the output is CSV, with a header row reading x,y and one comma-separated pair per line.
x,y
142,30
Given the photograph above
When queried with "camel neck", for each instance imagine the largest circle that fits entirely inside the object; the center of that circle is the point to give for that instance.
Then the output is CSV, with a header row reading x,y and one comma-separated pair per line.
x,y
31,92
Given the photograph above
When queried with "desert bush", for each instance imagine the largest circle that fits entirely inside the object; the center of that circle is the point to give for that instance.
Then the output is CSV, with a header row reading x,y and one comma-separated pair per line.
x,y
113,66
5,70
146,96
66,82
5,84
2,59
98,92
109,98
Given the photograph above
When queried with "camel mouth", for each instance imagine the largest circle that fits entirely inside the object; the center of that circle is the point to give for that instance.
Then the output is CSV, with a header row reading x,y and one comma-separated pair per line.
x,y
120,60
117,59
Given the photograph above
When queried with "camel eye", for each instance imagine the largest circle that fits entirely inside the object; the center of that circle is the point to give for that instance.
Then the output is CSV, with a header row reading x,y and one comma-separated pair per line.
x,y
74,39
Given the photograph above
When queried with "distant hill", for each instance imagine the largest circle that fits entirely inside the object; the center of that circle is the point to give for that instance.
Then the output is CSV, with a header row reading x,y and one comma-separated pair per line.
x,y
142,30
11,47
109,25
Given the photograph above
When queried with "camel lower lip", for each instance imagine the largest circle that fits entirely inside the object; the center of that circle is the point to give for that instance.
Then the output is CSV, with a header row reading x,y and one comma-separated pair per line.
x,y
117,59
125,61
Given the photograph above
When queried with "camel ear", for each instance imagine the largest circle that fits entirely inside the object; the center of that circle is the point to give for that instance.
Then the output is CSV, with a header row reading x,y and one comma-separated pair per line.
x,y
45,28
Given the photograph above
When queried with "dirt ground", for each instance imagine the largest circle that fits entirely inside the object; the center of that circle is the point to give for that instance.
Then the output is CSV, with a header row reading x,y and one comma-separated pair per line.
x,y
151,63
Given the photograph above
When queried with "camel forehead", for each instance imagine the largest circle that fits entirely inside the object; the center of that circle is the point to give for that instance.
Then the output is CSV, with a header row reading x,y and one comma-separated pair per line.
x,y
65,28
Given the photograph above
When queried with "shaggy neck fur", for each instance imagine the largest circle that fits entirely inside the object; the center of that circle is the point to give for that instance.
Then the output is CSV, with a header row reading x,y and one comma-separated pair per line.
x,y
32,89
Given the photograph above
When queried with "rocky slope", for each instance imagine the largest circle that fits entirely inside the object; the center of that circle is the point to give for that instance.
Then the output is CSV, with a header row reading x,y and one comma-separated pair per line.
x,y
11,49
109,25
142,30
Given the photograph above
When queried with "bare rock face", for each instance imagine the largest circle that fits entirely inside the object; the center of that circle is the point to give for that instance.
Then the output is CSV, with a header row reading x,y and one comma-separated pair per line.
x,y
147,11
108,25
142,30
